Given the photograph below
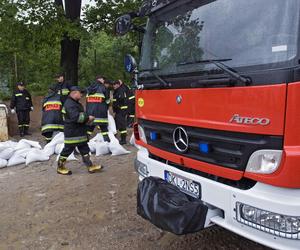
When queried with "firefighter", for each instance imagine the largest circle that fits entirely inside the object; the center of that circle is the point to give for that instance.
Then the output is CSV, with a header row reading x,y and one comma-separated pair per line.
x,y
21,103
61,87
131,108
97,104
120,108
52,120
75,131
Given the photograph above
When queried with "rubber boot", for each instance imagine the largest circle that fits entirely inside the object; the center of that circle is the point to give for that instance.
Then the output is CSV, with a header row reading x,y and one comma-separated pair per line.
x,y
21,130
90,166
123,139
106,138
26,131
61,168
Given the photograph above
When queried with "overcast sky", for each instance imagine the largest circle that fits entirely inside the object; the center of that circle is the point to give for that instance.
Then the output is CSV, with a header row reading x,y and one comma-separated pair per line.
x,y
90,2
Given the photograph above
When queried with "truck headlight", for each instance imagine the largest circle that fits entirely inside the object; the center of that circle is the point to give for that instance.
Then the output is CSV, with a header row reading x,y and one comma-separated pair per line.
x,y
277,224
264,161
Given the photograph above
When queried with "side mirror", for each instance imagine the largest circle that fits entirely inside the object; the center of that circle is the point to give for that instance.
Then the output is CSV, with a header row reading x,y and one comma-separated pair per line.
x,y
123,25
130,63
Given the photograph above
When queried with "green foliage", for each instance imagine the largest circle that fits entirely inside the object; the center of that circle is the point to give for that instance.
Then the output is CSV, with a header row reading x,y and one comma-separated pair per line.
x,y
31,34
103,54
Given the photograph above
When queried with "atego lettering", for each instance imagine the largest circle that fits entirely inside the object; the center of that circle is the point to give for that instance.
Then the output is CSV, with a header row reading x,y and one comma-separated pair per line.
x,y
250,120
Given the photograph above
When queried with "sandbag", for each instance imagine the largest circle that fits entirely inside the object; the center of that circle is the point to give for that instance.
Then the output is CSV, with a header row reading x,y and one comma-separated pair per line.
x,y
7,153
97,138
36,155
111,124
57,139
22,144
16,160
58,148
22,152
33,144
92,146
113,138
168,208
70,158
102,148
9,144
49,150
117,149
3,163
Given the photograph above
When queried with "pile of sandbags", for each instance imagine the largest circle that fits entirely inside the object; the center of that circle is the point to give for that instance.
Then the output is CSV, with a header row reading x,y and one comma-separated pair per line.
x,y
24,151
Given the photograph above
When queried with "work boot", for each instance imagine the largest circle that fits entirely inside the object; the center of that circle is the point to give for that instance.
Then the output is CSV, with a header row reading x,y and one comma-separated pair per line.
x,y
106,138
61,168
90,166
21,130
123,139
26,131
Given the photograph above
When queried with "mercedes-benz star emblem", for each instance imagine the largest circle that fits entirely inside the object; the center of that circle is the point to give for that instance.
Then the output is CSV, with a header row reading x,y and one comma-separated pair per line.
x,y
179,99
181,139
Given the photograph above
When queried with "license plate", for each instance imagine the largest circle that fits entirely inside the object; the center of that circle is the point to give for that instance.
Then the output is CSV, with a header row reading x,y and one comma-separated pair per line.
x,y
185,185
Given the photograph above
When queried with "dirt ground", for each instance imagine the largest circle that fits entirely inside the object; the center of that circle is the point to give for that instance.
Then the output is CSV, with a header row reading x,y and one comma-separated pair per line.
x,y
42,210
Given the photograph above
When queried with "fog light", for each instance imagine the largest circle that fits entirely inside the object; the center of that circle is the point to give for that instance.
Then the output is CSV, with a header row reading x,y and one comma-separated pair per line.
x,y
153,136
141,168
264,161
273,223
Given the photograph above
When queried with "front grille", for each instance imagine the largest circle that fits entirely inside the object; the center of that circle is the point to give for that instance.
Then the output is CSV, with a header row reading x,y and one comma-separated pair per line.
x,y
227,149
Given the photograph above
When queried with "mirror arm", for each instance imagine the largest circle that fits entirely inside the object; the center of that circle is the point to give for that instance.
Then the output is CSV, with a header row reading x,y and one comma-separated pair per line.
x,y
139,29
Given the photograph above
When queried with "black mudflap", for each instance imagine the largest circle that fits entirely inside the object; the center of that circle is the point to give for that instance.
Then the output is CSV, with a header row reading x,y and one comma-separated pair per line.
x,y
168,208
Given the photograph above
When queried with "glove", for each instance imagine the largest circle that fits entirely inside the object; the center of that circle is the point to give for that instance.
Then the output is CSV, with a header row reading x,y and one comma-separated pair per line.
x,y
31,108
13,111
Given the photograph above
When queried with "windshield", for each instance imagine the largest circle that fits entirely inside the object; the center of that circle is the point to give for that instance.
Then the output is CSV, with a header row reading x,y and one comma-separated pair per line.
x,y
246,32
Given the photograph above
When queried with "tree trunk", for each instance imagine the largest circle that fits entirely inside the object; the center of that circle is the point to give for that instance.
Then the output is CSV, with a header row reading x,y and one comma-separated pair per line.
x,y
70,48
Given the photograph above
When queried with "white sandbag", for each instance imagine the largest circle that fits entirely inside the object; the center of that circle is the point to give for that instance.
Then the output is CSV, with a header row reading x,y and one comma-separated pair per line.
x,y
113,138
36,155
58,148
92,146
22,144
117,149
49,150
33,144
111,124
70,158
98,138
102,148
22,152
9,144
57,139
2,147
3,163
132,142
16,160
7,153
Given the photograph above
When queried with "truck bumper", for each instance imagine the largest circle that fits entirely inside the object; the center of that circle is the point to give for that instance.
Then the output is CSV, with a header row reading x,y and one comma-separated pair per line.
x,y
265,197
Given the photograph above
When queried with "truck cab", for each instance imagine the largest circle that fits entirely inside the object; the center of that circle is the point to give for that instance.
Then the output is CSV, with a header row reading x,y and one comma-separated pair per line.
x,y
218,96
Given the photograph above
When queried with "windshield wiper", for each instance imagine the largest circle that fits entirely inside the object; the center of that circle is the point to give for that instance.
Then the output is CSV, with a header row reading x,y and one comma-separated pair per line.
x,y
219,64
162,83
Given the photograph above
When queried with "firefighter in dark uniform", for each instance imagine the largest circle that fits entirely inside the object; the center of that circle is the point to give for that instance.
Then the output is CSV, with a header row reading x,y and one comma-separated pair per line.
x,y
120,108
52,120
131,108
21,103
97,103
75,131
61,87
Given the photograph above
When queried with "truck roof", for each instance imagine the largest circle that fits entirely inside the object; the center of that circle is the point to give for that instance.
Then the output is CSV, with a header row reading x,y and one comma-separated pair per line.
x,y
150,6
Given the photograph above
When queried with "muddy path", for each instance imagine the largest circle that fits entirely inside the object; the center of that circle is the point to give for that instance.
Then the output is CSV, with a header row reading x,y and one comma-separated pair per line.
x,y
42,210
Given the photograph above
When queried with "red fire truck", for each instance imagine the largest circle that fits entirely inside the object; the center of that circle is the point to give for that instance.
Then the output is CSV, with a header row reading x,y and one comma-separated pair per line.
x,y
218,109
